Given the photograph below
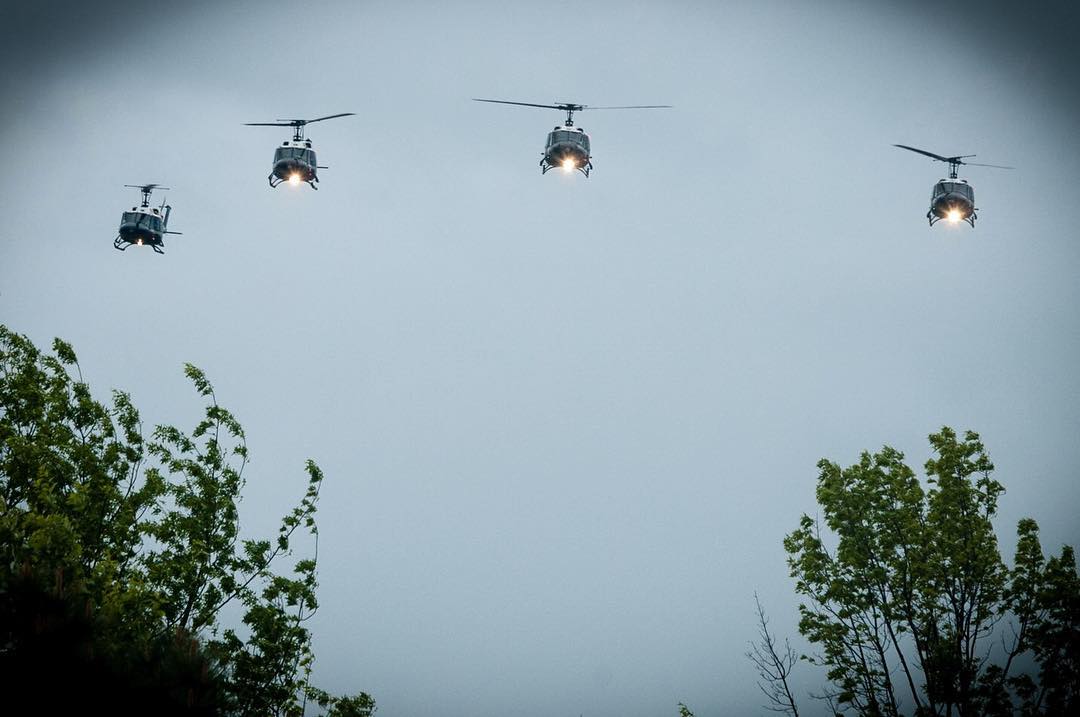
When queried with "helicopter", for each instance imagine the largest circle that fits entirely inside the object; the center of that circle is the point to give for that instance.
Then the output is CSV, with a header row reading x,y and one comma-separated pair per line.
x,y
144,225
952,199
568,146
294,161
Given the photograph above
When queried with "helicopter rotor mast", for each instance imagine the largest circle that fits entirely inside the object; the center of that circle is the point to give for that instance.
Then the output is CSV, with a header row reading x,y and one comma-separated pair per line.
x,y
570,108
953,162
146,190
296,124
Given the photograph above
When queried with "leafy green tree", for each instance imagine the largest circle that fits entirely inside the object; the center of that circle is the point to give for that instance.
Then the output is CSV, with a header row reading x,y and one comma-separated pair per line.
x,y
909,603
121,552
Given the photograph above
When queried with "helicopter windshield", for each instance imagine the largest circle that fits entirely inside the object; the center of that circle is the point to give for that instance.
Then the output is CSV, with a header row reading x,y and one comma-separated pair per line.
x,y
295,153
960,188
138,220
560,136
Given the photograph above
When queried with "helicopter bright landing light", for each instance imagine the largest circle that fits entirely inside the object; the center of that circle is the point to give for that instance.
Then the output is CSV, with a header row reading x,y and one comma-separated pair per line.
x,y
568,165
294,179
954,215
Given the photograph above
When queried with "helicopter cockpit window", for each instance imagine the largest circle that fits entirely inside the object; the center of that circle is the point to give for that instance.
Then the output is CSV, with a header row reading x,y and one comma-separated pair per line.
x,y
564,136
298,153
960,188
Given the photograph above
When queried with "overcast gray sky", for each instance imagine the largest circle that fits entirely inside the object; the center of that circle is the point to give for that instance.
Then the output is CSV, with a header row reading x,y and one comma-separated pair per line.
x,y
565,422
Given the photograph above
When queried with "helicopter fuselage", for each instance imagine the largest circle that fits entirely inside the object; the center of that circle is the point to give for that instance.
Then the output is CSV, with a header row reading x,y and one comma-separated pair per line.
x,y
294,162
953,200
567,148
142,226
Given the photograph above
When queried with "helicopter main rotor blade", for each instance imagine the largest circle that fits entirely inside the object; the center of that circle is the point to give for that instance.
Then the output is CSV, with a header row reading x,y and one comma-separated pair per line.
x,y
977,164
268,124
527,104
950,160
938,157
959,159
302,122
320,119
629,107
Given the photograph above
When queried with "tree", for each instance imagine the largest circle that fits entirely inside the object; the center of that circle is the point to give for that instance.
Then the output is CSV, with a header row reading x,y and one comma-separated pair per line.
x,y
120,553
908,601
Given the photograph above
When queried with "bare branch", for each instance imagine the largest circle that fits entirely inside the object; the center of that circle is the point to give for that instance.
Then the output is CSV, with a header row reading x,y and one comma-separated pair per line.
x,y
773,666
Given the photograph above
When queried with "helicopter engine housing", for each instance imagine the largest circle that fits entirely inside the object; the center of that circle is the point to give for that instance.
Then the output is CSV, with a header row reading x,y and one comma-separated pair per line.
x,y
952,200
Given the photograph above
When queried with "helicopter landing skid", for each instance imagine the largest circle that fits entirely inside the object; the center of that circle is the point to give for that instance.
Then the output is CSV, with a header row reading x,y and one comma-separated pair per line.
x,y
546,167
934,218
274,185
122,245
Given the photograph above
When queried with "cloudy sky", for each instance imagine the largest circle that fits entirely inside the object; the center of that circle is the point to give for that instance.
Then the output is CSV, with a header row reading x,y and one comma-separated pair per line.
x,y
565,422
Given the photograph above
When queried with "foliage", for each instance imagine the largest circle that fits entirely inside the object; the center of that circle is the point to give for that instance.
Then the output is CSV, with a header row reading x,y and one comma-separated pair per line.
x,y
121,552
909,603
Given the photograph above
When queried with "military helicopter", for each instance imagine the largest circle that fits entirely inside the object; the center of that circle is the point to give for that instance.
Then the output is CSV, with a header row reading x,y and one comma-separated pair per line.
x,y
568,146
294,161
952,199
144,225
